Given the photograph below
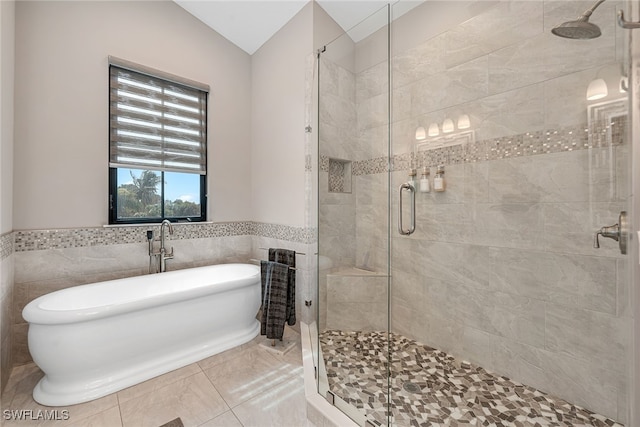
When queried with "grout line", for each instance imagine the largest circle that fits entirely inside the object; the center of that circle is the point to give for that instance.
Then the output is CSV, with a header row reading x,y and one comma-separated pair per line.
x,y
120,409
121,415
221,397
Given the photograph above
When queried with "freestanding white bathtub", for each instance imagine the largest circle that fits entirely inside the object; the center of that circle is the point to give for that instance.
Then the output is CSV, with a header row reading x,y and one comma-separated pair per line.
x,y
93,340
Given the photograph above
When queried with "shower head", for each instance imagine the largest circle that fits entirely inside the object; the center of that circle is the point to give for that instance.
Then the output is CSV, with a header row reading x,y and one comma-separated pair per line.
x,y
581,28
577,30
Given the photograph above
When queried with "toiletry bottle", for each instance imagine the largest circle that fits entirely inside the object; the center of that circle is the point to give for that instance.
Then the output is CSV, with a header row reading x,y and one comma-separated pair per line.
x,y
438,180
412,178
425,186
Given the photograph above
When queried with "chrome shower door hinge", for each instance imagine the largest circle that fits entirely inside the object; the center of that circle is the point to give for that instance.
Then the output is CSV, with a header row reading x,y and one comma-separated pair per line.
x,y
331,398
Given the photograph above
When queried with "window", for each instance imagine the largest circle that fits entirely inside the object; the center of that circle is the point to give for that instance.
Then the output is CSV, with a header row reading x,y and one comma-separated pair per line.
x,y
157,146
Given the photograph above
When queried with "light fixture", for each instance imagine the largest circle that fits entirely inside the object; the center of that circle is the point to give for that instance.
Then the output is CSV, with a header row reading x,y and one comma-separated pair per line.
x,y
464,122
623,86
447,126
597,89
421,133
434,130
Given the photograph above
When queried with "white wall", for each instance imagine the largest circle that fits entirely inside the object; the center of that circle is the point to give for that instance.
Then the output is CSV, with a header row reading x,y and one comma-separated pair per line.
x,y
61,116
7,60
278,122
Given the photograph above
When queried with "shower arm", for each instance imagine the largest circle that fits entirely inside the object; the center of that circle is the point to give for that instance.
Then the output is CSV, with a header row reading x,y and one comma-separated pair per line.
x,y
622,23
628,25
585,16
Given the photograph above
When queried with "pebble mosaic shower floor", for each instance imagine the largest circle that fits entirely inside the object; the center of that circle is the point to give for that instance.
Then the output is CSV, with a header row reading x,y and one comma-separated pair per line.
x,y
431,388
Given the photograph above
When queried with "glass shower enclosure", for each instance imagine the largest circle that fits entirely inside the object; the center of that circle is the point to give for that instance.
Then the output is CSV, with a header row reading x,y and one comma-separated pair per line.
x,y
353,217
469,164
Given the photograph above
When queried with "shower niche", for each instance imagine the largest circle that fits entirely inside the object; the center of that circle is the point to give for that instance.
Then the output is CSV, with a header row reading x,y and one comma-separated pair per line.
x,y
339,176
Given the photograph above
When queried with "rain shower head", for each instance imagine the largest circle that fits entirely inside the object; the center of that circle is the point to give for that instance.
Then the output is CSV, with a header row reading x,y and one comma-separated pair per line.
x,y
581,28
577,30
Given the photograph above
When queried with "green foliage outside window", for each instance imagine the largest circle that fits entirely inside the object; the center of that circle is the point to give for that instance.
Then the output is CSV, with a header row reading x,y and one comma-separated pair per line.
x,y
141,198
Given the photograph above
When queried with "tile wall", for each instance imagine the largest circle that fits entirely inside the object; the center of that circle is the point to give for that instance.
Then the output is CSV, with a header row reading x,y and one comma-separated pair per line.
x,y
49,260
357,300
501,270
6,300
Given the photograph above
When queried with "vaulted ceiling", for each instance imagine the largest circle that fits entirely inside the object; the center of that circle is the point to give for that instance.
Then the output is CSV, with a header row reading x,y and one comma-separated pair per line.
x,y
250,23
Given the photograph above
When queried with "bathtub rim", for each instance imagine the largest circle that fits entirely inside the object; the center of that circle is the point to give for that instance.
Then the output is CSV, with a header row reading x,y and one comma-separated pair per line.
x,y
58,388
34,313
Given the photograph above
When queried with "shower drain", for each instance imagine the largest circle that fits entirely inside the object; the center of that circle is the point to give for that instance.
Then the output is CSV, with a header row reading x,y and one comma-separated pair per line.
x,y
411,387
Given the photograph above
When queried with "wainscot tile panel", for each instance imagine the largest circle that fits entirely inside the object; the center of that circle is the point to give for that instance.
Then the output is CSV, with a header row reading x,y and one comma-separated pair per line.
x,y
30,240
6,310
49,260
6,245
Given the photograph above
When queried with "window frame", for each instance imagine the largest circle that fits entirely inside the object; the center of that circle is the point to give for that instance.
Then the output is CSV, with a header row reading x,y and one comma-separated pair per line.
x,y
113,204
113,171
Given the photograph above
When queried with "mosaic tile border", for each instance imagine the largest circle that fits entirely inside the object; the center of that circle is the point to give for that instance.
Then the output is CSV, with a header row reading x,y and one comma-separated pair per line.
x,y
284,232
34,240
600,134
6,245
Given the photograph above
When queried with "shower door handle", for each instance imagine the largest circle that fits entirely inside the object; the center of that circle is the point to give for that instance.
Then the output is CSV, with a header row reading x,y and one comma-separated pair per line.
x,y
412,227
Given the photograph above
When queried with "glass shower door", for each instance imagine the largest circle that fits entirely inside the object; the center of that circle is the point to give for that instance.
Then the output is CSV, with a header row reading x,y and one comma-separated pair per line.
x,y
465,171
353,221
499,297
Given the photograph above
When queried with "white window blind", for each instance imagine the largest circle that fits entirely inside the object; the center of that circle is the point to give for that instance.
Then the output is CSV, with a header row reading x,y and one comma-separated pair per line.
x,y
156,123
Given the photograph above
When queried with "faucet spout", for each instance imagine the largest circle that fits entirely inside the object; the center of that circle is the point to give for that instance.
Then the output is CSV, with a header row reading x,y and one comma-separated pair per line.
x,y
164,255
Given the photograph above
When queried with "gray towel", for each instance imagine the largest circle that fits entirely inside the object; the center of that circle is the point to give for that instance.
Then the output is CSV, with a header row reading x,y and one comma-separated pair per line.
x,y
274,281
287,257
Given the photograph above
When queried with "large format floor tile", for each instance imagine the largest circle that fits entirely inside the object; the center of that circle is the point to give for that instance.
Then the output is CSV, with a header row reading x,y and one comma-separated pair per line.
x,y
245,386
193,399
253,372
282,404
34,414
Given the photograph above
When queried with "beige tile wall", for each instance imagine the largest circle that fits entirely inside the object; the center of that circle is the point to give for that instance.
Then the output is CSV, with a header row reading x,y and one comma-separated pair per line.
x,y
38,272
6,300
501,270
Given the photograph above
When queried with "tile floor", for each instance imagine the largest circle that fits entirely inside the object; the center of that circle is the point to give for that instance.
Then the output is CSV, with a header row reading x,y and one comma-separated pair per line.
x,y
245,386
432,388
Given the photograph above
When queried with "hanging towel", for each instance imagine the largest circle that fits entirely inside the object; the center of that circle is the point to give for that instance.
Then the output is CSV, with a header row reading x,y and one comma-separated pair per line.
x,y
274,281
287,257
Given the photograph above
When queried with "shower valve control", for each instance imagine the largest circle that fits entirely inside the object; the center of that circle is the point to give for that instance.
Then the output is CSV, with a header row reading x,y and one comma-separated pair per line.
x,y
618,232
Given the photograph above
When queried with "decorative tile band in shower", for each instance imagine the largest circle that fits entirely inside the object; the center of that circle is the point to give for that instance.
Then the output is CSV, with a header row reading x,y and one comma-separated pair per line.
x,y
371,166
31,240
599,134
6,245
324,163
285,232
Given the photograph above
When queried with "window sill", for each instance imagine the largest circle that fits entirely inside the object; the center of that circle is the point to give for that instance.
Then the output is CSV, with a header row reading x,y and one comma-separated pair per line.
x,y
155,224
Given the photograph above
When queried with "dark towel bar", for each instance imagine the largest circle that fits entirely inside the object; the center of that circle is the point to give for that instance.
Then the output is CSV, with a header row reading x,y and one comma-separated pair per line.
x,y
297,253
257,261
